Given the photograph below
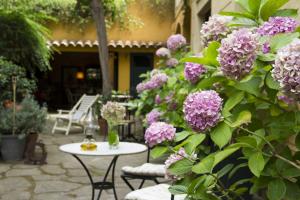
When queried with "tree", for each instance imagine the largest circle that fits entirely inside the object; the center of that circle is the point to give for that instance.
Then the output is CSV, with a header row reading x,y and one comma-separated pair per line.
x,y
98,15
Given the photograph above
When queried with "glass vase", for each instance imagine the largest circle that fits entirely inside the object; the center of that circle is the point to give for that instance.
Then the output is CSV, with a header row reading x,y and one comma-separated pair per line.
x,y
113,137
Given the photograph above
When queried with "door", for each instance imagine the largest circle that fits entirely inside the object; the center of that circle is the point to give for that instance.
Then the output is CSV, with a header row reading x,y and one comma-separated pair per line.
x,y
139,63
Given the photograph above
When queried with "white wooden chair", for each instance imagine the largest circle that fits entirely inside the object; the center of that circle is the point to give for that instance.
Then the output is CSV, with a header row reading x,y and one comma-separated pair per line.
x,y
157,192
74,116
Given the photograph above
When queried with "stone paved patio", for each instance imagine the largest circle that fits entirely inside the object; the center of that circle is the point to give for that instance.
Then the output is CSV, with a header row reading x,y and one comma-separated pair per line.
x,y
63,177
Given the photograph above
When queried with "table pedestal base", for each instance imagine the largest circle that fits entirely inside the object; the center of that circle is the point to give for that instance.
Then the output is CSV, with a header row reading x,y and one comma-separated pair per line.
x,y
104,184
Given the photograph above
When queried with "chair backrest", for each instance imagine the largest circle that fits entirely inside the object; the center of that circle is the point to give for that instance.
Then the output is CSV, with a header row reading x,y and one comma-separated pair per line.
x,y
83,105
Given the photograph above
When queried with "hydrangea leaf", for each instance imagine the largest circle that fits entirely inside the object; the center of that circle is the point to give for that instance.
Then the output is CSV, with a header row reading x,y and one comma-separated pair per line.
x,y
182,135
221,155
281,40
181,167
286,13
193,142
233,101
271,7
244,117
238,15
221,135
251,86
256,163
158,151
178,189
254,6
271,83
276,189
244,4
204,166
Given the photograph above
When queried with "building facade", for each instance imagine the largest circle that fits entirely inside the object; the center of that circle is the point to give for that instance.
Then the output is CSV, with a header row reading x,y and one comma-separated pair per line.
x,y
75,65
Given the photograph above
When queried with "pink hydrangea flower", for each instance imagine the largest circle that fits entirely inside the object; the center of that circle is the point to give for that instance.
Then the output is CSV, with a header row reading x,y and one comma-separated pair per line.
x,y
193,71
202,110
163,52
172,62
157,100
159,132
277,25
140,87
215,29
153,116
176,42
287,69
237,53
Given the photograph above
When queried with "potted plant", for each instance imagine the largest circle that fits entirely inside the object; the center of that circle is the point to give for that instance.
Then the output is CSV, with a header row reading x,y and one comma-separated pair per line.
x,y
29,118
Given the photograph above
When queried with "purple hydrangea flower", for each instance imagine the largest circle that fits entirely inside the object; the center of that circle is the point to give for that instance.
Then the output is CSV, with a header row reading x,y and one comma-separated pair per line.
x,y
169,98
238,53
158,80
277,25
287,69
157,99
176,42
163,52
286,99
266,48
202,110
193,71
140,87
159,132
172,62
173,158
215,29
153,116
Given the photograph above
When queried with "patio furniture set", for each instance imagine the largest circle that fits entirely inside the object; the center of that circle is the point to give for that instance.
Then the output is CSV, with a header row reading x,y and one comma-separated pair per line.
x,y
145,172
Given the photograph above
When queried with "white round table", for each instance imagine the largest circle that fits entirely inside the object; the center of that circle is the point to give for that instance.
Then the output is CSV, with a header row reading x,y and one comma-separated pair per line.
x,y
125,148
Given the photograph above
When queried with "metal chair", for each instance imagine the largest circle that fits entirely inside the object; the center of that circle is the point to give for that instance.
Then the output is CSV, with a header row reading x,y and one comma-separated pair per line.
x,y
145,172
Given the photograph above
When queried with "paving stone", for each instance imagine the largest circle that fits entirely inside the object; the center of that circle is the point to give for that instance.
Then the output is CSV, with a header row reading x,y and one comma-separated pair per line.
x,y
23,166
83,179
13,183
23,172
53,169
54,186
52,196
4,168
17,195
71,164
76,172
44,177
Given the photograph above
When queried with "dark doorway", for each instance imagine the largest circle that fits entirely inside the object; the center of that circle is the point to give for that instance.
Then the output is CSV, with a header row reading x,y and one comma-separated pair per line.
x,y
139,63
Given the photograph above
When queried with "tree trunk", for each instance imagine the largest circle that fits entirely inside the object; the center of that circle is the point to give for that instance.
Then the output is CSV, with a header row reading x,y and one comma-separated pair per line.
x,y
98,15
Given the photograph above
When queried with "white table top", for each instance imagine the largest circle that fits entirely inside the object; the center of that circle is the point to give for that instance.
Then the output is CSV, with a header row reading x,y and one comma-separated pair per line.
x,y
125,148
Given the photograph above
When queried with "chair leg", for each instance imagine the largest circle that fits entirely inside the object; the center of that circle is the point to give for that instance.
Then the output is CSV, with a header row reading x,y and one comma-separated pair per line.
x,y
68,128
142,183
54,127
127,183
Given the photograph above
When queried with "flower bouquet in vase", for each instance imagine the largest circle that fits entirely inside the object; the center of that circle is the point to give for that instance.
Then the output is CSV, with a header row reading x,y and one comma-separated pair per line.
x,y
114,114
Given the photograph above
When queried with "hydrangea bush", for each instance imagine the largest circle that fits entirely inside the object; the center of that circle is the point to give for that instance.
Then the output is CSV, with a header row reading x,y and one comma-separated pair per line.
x,y
237,111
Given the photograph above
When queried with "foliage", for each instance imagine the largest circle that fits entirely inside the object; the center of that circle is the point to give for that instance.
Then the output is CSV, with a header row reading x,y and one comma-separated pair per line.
x,y
254,128
24,85
29,117
23,39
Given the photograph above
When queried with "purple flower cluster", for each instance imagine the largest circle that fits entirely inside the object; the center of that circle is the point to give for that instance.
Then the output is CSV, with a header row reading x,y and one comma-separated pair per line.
x,y
215,29
193,71
157,100
153,116
277,25
266,48
163,52
286,99
172,62
202,110
156,81
176,42
287,69
159,132
238,53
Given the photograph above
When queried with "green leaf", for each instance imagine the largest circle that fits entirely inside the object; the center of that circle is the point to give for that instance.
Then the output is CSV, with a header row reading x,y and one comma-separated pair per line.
x,y
158,151
233,101
193,141
292,191
221,155
225,170
286,13
271,83
276,189
171,82
181,167
297,142
237,14
280,40
256,163
270,8
208,82
221,135
251,86
254,6
244,4
178,189
204,166
243,118
267,57
290,172
182,135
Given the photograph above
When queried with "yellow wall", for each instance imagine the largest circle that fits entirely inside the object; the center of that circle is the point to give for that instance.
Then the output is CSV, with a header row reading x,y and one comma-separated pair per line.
x,y
155,28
